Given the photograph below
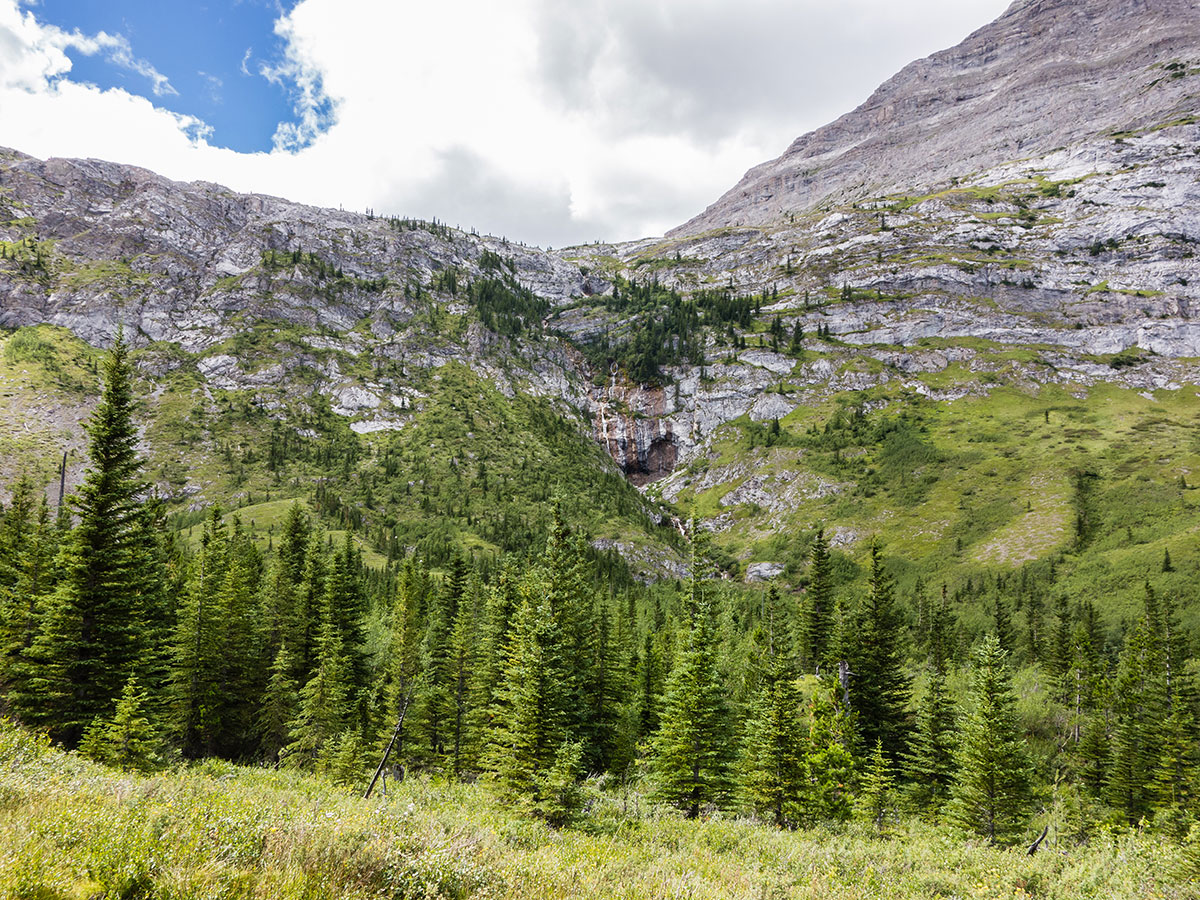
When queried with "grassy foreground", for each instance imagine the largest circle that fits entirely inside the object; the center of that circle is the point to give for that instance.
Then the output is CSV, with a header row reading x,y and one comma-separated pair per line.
x,y
72,829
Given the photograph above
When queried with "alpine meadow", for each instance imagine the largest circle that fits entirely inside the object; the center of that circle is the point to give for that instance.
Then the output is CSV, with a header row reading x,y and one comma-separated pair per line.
x,y
839,543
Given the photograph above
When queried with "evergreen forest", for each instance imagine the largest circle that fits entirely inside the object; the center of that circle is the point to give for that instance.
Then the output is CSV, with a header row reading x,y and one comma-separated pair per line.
x,y
553,686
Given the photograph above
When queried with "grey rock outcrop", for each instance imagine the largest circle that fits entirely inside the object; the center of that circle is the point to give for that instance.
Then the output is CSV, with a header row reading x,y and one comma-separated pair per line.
x,y
1046,74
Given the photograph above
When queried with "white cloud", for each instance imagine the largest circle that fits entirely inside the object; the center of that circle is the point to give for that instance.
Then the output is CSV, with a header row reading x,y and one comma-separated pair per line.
x,y
549,122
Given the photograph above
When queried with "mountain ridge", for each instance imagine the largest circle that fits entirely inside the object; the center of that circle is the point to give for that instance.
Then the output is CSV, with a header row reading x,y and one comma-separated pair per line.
x,y
1043,279
1033,43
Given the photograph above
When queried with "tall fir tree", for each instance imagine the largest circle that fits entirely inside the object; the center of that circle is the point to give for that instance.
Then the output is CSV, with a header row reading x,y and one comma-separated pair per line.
x,y
880,688
326,708
527,726
991,793
95,635
930,762
773,763
28,546
692,753
817,613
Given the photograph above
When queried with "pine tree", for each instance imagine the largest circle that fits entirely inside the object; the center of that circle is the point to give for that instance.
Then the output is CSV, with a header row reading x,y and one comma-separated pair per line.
x,y
991,794
817,615
879,687
691,757
773,764
94,637
930,762
127,739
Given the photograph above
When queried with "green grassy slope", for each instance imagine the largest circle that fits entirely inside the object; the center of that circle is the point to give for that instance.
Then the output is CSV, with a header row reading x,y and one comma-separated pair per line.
x,y
1102,480
465,465
73,829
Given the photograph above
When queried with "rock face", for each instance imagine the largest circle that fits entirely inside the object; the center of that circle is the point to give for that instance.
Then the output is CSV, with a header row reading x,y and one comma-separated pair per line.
x,y
1046,74
1037,186
186,262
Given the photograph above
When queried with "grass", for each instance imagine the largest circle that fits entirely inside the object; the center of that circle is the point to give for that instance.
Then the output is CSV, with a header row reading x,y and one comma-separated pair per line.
x,y
72,829
47,380
993,487
264,522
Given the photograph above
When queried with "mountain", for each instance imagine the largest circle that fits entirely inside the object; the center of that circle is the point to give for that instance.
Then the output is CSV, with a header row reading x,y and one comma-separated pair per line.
x,y
1046,75
959,318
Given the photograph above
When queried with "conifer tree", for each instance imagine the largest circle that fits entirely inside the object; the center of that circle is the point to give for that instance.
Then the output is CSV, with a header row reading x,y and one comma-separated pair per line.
x,y
463,659
773,766
199,652
27,575
281,606
816,622
879,687
991,793
648,675
402,670
280,706
1139,707
829,765
126,739
527,724
606,692
433,704
692,753
499,610
560,798
877,788
94,635
326,709
930,762
346,600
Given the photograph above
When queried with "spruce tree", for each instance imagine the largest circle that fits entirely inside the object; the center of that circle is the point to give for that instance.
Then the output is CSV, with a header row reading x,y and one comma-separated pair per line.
x,y
94,636
127,739
930,762
527,727
28,575
876,788
692,753
816,621
879,687
1139,707
326,704
991,793
464,683
829,765
199,651
773,765
279,708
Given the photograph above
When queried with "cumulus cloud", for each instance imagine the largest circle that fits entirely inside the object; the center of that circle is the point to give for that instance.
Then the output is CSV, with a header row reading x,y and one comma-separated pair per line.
x,y
548,122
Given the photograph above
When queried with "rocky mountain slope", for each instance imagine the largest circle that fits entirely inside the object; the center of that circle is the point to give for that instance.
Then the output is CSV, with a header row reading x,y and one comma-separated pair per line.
x,y
1003,236
1046,75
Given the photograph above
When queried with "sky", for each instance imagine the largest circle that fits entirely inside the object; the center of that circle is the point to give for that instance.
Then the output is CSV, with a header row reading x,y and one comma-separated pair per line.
x,y
553,122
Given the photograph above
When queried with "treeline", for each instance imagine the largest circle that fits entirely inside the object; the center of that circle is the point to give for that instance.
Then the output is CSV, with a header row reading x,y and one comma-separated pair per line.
x,y
537,670
662,328
320,269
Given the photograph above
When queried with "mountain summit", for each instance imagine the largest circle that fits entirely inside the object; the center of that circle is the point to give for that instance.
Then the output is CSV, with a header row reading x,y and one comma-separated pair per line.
x,y
1046,74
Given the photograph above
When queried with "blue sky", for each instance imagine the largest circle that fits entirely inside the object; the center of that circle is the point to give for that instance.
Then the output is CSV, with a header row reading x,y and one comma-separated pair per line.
x,y
211,54
552,122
